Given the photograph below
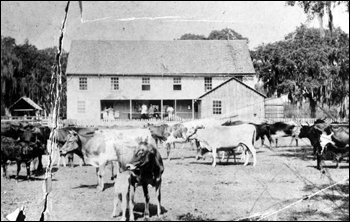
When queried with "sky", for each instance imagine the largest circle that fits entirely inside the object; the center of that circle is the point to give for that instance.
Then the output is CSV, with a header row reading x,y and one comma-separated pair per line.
x,y
261,22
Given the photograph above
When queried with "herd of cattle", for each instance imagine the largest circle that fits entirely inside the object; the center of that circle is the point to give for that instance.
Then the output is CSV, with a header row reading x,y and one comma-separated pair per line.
x,y
133,153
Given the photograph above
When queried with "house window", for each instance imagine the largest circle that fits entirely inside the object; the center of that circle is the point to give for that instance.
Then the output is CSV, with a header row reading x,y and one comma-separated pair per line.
x,y
81,106
217,107
177,83
207,84
83,83
146,84
114,83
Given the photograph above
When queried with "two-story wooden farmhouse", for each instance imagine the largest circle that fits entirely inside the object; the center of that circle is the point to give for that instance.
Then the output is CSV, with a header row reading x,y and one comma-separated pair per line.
x,y
113,79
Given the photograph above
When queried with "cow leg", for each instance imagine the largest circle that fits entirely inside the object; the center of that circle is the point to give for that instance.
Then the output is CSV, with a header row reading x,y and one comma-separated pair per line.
x,y
182,148
112,171
64,160
234,157
71,160
99,173
146,194
117,200
198,149
168,150
319,161
40,164
131,203
28,170
124,204
4,167
262,138
158,193
214,157
222,156
253,151
18,169
276,142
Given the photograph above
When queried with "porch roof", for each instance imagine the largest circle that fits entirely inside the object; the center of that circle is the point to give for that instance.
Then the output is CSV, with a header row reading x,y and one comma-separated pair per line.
x,y
154,96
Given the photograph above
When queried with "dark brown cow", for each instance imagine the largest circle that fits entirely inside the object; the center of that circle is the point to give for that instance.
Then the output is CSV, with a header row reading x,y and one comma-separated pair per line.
x,y
19,151
147,166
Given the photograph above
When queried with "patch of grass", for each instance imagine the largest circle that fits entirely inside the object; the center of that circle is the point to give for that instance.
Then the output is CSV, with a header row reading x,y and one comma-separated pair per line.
x,y
191,217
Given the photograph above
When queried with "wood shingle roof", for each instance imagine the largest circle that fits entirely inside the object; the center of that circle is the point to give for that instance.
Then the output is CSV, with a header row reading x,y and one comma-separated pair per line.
x,y
181,57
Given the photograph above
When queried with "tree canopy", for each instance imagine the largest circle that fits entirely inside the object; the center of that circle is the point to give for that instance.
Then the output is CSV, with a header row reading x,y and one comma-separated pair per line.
x,y
319,9
223,34
305,64
26,71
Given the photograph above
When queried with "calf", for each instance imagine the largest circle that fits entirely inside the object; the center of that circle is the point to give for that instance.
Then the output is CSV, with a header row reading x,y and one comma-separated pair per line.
x,y
19,151
220,138
124,191
147,166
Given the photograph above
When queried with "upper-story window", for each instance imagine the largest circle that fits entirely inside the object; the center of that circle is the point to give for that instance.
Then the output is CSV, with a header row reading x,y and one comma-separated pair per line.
x,y
114,83
146,85
217,108
177,83
207,84
83,83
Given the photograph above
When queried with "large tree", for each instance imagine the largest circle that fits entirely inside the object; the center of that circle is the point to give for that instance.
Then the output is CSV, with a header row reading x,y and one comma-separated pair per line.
x,y
306,65
26,71
223,34
320,9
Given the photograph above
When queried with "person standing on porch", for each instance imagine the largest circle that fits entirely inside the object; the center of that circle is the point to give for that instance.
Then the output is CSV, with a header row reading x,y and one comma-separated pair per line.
x,y
170,111
144,112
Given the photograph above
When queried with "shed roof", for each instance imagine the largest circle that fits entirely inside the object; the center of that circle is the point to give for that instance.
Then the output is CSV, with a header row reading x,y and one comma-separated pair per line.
x,y
180,57
17,107
227,81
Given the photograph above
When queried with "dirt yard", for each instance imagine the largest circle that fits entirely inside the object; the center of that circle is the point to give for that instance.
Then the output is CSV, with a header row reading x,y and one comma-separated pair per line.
x,y
194,190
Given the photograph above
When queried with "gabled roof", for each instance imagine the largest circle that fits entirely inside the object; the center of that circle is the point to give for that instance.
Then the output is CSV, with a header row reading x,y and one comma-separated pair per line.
x,y
227,81
180,57
28,101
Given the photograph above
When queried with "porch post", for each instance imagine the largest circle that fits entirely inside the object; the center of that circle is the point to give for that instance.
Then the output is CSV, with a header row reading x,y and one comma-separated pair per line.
x,y
174,110
130,109
192,108
161,109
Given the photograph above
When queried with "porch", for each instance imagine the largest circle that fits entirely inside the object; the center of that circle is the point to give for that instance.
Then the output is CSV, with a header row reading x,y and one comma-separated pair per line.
x,y
156,109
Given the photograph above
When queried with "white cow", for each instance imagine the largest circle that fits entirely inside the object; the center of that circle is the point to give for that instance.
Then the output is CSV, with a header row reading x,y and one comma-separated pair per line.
x,y
223,137
105,146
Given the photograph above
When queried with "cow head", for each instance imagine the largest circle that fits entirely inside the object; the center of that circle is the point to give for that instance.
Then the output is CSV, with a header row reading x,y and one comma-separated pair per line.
x,y
304,131
145,157
72,143
192,131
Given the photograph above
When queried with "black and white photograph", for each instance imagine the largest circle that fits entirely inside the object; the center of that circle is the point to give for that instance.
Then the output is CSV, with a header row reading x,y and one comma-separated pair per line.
x,y
175,111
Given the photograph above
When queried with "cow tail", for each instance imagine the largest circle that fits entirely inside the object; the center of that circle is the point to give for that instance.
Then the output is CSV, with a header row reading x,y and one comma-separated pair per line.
x,y
254,137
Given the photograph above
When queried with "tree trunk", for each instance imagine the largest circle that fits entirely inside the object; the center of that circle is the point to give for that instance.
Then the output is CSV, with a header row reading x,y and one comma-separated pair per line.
x,y
313,105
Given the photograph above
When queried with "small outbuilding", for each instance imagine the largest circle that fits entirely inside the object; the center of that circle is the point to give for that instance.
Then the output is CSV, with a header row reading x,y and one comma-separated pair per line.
x,y
25,107
232,98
